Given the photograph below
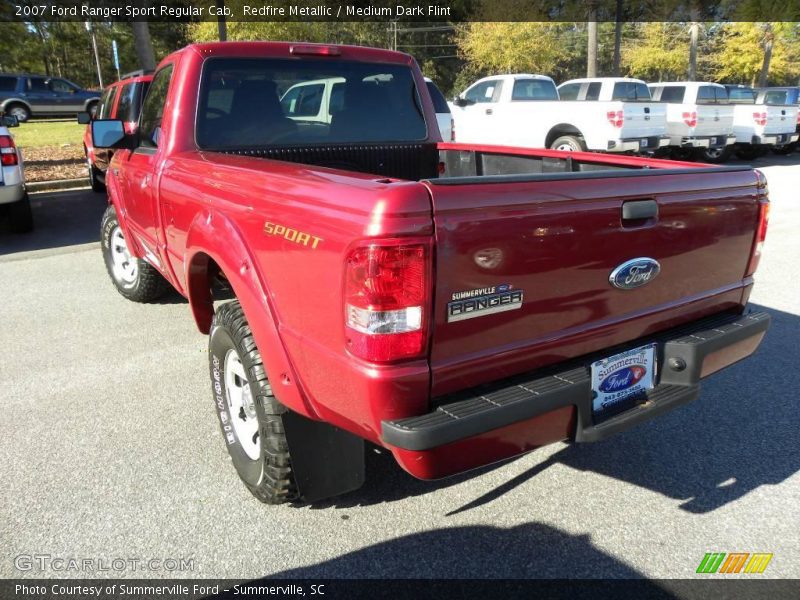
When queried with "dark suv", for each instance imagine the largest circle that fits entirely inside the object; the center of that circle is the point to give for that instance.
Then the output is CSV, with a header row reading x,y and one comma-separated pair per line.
x,y
24,96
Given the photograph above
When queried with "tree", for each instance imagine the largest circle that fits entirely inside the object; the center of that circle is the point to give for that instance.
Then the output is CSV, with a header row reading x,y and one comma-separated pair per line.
x,y
535,47
618,20
657,52
143,45
591,48
757,53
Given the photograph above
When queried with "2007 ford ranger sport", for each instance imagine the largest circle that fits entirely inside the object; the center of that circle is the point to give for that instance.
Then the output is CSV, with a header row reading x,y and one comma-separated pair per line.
x,y
455,304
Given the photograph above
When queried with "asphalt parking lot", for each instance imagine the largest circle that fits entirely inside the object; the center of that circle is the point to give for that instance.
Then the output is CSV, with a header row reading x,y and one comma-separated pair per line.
x,y
110,448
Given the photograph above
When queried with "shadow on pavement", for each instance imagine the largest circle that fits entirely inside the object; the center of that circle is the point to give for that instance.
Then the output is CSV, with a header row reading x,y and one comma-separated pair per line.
x,y
739,435
533,550
59,219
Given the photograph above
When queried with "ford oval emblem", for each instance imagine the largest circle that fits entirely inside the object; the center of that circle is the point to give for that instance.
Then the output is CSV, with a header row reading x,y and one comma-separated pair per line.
x,y
634,273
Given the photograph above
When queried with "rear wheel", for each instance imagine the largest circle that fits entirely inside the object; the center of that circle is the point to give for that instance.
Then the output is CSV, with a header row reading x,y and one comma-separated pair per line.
x,y
134,278
20,111
682,153
783,149
748,152
714,155
568,143
250,416
21,215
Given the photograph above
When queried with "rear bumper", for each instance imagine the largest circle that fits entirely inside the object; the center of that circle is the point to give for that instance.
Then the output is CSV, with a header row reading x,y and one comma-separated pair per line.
x,y
11,193
643,144
708,141
562,397
774,138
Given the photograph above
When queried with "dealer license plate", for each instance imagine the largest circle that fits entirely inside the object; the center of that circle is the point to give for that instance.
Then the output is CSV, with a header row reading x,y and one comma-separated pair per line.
x,y
643,143
622,378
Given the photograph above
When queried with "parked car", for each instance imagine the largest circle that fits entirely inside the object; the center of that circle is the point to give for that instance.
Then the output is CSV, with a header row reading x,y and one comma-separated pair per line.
x,y
699,118
444,118
121,100
758,125
783,96
524,110
365,304
14,201
26,96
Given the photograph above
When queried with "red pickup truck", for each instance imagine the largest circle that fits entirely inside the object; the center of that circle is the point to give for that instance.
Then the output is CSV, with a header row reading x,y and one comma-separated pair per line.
x,y
455,304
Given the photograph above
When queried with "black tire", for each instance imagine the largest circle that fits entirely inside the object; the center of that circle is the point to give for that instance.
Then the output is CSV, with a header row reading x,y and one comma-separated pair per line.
x,y
147,284
783,150
91,108
269,477
21,216
574,143
748,152
94,181
685,154
20,111
714,155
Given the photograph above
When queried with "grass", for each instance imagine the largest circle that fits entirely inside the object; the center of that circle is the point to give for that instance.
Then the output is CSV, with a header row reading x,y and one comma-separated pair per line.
x,y
37,134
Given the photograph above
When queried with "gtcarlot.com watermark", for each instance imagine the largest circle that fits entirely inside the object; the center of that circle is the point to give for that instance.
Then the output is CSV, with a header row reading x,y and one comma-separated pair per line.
x,y
70,564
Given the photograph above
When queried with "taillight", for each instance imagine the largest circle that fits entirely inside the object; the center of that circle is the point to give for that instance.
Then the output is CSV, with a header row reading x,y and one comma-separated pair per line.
x,y
387,290
763,221
760,118
616,118
690,118
8,151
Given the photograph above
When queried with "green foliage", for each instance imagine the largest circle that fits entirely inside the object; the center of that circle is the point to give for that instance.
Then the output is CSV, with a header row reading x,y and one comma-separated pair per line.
x,y
740,54
657,52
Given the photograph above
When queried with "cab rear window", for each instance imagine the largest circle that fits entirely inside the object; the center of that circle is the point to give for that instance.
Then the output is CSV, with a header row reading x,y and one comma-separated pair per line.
x,y
630,91
258,103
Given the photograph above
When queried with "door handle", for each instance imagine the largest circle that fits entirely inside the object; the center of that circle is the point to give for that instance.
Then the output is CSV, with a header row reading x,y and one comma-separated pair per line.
x,y
489,111
639,209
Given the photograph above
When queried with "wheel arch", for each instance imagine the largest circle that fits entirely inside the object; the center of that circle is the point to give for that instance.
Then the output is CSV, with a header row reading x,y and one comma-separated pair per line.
x,y
556,131
89,102
204,258
12,101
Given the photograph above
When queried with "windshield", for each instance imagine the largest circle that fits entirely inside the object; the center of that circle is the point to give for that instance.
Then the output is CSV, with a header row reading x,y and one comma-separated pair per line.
x,y
253,103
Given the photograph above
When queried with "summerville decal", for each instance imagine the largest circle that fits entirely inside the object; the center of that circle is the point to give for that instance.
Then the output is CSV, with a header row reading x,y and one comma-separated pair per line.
x,y
480,302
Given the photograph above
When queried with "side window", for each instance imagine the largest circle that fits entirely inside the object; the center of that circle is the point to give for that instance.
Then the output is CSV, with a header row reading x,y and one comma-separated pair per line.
x,y
125,102
673,94
37,84
487,91
59,86
569,91
533,89
105,110
705,95
153,108
593,91
8,84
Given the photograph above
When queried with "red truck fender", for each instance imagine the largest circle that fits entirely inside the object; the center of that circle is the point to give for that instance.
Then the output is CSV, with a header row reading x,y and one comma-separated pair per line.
x,y
114,199
235,261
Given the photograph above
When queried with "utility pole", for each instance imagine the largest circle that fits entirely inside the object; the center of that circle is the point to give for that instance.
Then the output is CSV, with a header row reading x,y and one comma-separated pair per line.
x,y
222,24
591,51
90,29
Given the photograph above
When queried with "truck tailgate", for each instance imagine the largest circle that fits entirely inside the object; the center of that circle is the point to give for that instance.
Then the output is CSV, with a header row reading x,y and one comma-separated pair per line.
x,y
556,241
712,119
643,119
780,119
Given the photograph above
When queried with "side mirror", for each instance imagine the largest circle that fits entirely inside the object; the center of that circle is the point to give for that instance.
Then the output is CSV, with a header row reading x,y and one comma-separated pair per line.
x,y
459,101
10,121
84,118
109,133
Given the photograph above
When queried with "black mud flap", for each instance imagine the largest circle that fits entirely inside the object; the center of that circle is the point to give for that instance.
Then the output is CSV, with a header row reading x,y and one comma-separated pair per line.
x,y
326,461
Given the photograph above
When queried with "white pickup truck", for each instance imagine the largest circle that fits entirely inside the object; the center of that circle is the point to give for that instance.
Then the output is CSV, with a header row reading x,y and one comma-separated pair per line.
x,y
13,198
699,118
758,124
605,114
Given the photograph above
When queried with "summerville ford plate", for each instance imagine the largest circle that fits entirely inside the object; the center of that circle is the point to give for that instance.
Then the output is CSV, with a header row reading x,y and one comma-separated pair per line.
x,y
621,378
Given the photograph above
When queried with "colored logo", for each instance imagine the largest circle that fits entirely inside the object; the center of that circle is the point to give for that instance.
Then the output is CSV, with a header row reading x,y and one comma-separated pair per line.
x,y
634,273
623,378
734,562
